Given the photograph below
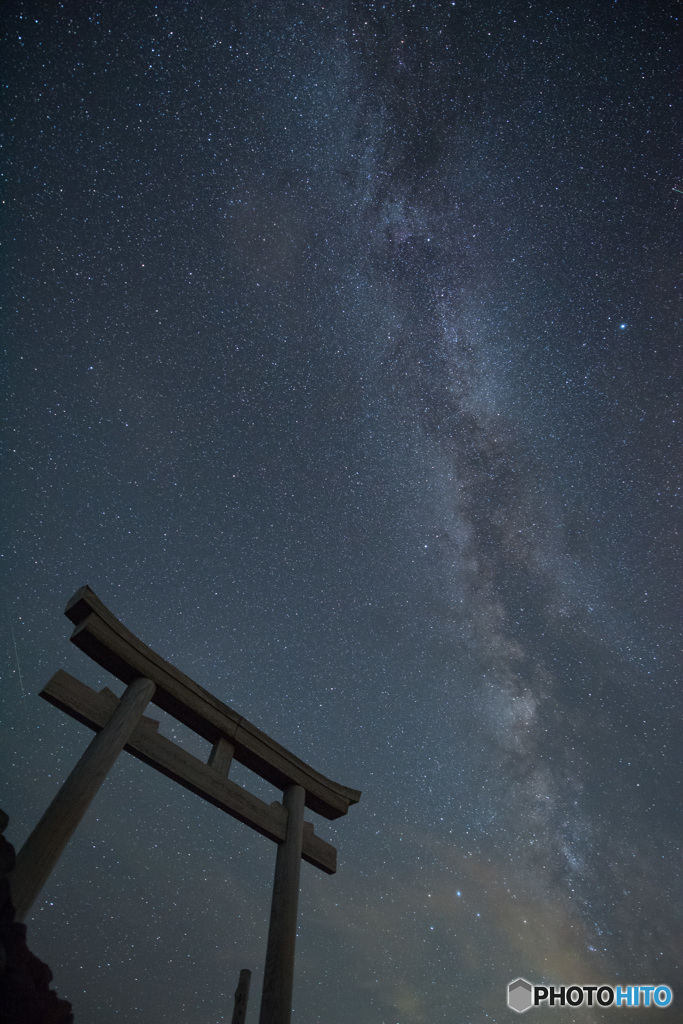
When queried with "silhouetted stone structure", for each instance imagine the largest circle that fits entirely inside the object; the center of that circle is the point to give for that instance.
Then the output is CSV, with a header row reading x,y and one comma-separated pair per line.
x,y
122,725
241,997
25,993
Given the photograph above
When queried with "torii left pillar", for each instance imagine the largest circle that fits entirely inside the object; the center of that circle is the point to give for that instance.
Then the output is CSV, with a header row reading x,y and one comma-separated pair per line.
x,y
45,845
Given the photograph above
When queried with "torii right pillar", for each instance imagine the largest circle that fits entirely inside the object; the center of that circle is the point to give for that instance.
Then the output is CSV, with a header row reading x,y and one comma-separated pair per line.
x,y
278,980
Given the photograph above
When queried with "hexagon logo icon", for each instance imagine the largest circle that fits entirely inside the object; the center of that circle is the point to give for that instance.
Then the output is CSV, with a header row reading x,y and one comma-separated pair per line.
x,y
520,997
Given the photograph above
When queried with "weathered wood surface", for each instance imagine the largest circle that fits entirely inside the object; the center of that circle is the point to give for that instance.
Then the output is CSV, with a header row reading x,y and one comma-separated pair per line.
x,y
95,709
239,1013
278,975
100,635
44,846
221,755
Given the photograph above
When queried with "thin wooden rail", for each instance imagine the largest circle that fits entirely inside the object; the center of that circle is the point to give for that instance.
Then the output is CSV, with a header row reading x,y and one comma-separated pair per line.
x,y
95,709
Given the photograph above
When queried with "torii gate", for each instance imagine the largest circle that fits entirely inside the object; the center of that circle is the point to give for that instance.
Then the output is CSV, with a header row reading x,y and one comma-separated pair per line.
x,y
120,725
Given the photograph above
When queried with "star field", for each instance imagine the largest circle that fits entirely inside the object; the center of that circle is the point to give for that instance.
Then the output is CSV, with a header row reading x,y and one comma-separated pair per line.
x,y
340,354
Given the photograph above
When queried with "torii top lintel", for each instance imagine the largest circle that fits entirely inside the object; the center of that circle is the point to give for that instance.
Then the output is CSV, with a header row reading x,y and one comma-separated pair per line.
x,y
100,635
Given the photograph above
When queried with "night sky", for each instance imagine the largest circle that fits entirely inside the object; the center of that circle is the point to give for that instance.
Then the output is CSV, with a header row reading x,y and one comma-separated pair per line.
x,y
340,354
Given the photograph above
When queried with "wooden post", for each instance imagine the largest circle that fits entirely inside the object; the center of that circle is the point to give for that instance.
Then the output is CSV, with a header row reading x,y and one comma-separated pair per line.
x,y
241,997
44,846
221,755
276,1001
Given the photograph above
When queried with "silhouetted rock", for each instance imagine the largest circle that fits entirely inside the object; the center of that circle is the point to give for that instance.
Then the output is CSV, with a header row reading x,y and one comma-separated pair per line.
x,y
25,993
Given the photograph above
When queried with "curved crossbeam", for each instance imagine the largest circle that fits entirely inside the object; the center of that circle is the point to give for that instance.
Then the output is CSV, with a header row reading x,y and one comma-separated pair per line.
x,y
100,635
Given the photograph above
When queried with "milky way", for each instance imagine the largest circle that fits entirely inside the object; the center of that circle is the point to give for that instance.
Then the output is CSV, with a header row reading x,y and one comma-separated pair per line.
x,y
341,348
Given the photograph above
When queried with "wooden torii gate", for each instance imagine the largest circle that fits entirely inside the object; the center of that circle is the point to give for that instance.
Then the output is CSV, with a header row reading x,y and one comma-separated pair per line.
x,y
121,725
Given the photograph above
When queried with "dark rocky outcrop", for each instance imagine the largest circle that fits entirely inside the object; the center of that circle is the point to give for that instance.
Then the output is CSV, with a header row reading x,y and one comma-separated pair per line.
x,y
25,993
